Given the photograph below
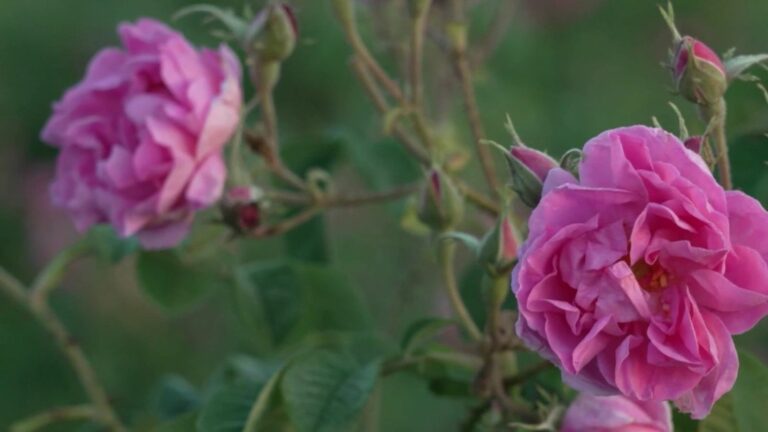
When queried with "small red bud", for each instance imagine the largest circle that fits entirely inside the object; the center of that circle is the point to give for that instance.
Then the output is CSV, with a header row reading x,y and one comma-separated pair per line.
x,y
529,168
694,143
440,203
248,216
701,79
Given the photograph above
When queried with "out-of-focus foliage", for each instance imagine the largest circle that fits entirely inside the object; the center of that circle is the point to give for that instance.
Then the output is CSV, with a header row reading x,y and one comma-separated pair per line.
x,y
351,278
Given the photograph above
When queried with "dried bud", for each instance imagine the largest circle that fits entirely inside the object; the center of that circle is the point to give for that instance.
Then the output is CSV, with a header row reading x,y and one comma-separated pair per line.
x,y
498,250
440,204
700,75
280,33
529,168
240,208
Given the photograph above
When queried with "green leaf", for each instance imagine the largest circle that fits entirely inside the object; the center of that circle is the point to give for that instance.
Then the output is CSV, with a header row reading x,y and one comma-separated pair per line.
x,y
329,303
108,245
750,394
228,408
173,397
721,418
173,285
182,423
471,242
268,296
421,332
326,390
735,66
309,242
239,369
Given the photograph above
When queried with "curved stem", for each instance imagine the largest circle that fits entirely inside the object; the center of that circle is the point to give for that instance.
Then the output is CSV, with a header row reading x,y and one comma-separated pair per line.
x,y
458,38
345,11
447,251
723,159
39,309
56,415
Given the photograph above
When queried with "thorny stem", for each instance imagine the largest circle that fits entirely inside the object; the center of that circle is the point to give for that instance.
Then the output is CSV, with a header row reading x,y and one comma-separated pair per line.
x,y
458,38
343,200
372,89
265,79
35,303
717,114
462,360
287,224
345,10
410,144
55,415
418,31
528,373
447,251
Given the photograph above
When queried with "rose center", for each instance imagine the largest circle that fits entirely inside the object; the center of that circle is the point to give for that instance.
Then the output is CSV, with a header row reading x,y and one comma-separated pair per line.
x,y
651,277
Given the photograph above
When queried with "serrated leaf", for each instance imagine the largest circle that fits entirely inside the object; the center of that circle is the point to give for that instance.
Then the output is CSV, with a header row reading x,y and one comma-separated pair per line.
x,y
750,394
329,303
326,390
268,296
421,331
170,283
737,65
173,397
228,408
182,423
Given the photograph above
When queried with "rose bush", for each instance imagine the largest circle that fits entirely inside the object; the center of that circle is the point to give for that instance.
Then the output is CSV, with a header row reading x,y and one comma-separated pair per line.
x,y
141,136
635,275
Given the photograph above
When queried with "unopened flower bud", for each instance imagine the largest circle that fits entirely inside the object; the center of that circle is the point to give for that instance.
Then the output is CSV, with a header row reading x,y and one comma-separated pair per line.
x,y
694,143
280,33
240,208
700,75
440,204
529,168
498,249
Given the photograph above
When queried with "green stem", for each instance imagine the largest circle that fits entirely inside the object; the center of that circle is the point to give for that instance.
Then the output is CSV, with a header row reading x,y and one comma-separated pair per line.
x,y
56,415
50,277
447,253
35,302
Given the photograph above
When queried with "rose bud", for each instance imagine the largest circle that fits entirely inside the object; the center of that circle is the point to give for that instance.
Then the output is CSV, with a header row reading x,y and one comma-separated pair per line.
x,y
498,249
699,74
694,143
281,31
529,168
440,204
616,414
241,210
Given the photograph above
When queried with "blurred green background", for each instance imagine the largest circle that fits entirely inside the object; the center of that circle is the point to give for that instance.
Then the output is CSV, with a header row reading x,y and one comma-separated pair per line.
x,y
565,71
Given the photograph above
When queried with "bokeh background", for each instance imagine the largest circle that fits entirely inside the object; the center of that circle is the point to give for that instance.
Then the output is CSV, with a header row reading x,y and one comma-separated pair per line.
x,y
566,70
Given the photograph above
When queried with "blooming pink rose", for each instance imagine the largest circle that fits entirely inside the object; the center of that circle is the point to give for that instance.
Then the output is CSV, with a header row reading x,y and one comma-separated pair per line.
x,y
616,414
635,276
141,136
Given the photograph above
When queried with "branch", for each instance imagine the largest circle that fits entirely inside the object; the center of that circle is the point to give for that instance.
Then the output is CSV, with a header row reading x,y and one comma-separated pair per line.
x,y
38,307
458,38
447,250
55,415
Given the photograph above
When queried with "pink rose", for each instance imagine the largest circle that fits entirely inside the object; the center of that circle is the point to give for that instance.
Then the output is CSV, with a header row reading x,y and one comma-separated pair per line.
x,y
635,276
141,136
616,414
